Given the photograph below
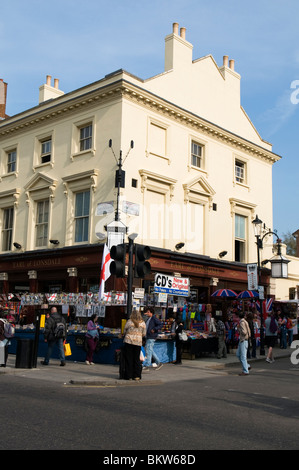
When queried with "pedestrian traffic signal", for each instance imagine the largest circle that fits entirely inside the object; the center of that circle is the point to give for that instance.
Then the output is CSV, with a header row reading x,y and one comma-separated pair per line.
x,y
142,267
118,266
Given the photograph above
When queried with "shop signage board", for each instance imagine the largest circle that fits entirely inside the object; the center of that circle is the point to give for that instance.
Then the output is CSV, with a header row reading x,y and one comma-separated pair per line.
x,y
139,293
172,285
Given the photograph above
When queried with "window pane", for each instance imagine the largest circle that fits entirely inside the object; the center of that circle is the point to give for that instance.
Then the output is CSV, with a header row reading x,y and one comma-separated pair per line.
x,y
46,149
82,216
85,137
86,203
196,154
240,172
79,205
11,161
42,217
239,226
7,229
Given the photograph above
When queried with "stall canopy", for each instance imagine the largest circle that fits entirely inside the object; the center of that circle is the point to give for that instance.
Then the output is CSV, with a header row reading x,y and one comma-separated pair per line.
x,y
248,294
224,293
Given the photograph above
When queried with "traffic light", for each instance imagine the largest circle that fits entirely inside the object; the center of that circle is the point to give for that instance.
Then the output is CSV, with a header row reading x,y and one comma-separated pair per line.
x,y
142,267
120,176
118,254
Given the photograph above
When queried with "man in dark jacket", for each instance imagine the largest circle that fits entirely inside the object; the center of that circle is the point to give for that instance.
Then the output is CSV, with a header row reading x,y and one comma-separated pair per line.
x,y
55,333
153,325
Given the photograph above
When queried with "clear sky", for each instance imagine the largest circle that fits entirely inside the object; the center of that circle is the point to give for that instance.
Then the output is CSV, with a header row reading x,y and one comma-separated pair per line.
x,y
80,42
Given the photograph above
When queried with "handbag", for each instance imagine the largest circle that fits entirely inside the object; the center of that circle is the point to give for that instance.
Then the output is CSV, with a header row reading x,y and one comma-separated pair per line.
x,y
67,349
183,336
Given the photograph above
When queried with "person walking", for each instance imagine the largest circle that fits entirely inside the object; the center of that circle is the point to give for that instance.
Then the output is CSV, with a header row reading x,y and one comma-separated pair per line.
x,y
134,331
282,323
290,331
244,335
251,352
55,333
153,325
7,332
92,338
271,326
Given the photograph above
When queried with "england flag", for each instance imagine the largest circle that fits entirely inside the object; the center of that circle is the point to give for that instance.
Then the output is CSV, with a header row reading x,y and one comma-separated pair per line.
x,y
105,271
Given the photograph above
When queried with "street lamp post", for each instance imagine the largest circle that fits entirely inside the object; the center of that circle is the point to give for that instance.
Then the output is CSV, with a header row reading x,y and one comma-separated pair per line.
x,y
279,266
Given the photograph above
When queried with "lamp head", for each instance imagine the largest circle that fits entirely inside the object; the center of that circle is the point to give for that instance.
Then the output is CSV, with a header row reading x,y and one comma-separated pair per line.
x,y
180,245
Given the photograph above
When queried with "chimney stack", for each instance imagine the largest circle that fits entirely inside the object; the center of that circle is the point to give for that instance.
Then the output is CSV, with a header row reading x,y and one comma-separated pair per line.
x,y
49,92
178,51
3,95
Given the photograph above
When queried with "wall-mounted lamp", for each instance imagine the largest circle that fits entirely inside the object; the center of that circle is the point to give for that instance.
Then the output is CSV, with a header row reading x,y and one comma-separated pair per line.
x,y
222,254
180,245
17,245
54,242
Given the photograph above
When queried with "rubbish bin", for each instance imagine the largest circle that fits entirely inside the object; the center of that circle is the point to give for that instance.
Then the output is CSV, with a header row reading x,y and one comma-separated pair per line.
x,y
24,355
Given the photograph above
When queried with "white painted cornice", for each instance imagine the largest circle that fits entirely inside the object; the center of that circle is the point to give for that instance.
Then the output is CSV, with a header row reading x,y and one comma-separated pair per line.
x,y
119,89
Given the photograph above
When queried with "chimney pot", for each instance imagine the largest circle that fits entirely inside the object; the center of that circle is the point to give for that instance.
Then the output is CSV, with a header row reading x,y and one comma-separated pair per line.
x,y
232,64
183,33
48,80
175,27
225,60
56,83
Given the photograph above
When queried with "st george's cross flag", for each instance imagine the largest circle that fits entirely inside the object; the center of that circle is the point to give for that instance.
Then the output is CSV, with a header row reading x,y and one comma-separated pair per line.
x,y
105,271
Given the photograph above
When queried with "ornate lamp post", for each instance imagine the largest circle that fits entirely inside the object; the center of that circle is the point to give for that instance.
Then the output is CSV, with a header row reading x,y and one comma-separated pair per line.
x,y
279,265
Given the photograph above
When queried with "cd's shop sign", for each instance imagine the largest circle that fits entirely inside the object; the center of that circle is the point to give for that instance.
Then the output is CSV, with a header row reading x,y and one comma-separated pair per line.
x,y
172,285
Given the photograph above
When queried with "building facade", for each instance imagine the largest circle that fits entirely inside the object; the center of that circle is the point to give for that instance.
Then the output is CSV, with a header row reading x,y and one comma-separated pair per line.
x,y
195,178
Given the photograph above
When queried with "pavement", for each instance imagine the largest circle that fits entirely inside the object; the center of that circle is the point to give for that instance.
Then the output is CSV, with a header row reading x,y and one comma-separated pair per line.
x,y
106,375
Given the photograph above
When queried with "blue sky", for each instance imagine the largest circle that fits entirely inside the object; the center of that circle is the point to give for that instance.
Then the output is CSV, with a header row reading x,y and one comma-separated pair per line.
x,y
80,42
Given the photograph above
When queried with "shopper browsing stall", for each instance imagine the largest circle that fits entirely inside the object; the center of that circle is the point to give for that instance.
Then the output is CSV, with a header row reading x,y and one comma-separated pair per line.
x,y
244,332
92,338
153,325
134,331
220,332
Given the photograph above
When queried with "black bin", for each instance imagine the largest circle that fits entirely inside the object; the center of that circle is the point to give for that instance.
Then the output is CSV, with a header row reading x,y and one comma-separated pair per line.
x,y
24,356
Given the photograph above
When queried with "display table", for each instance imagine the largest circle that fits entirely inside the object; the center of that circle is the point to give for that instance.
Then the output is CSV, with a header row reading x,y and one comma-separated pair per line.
x,y
197,347
109,344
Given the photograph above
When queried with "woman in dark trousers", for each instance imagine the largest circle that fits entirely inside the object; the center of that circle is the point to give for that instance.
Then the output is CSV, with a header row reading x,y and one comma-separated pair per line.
x,y
178,342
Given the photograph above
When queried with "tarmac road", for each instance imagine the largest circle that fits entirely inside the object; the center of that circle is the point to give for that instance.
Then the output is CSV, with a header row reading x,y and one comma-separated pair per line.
x,y
191,407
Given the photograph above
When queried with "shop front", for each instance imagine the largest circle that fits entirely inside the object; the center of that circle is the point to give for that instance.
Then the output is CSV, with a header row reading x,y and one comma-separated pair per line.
x,y
69,279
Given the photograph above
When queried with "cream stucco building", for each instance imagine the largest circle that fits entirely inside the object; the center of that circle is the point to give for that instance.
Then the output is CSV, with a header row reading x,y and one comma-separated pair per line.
x,y
198,172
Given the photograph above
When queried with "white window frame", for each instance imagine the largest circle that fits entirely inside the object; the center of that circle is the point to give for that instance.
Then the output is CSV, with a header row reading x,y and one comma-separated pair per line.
x,y
39,154
240,171
196,156
45,151
12,162
77,149
73,184
241,240
41,225
78,218
5,163
7,232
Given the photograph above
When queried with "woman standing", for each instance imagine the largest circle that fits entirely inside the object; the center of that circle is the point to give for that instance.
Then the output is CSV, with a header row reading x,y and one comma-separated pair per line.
x,y
271,326
134,331
92,338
